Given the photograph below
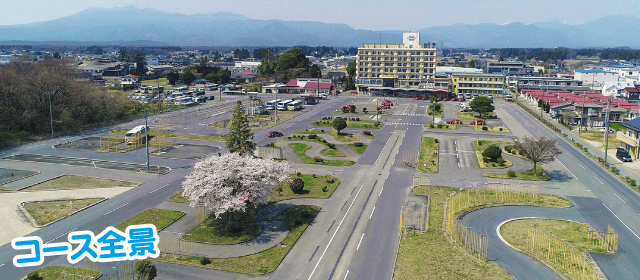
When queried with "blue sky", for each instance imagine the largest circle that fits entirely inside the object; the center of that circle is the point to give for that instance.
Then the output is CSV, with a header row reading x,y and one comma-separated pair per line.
x,y
360,14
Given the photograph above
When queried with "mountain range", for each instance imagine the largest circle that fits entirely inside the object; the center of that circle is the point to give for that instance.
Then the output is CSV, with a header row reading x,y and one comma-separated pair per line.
x,y
131,25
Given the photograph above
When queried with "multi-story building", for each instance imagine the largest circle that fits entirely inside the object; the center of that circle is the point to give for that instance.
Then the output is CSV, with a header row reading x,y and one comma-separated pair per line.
x,y
407,68
515,68
477,83
629,135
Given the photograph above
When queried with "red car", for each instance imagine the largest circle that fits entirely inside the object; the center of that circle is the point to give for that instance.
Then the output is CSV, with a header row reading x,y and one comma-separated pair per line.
x,y
272,134
417,98
461,100
480,122
454,99
454,121
439,99
445,99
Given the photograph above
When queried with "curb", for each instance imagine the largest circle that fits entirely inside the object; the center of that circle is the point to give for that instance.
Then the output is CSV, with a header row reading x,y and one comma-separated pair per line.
x,y
33,221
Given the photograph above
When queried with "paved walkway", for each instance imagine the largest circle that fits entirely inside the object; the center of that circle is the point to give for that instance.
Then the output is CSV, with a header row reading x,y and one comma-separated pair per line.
x,y
272,230
626,169
15,224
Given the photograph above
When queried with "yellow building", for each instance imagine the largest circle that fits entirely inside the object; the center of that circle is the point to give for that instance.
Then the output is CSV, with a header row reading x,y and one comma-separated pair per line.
x,y
477,83
406,67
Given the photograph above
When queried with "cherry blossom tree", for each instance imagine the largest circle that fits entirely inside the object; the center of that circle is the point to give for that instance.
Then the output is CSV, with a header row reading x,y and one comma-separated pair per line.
x,y
229,182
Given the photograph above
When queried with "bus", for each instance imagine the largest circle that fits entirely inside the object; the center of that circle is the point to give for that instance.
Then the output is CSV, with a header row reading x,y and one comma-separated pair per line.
x,y
295,105
132,136
282,105
271,105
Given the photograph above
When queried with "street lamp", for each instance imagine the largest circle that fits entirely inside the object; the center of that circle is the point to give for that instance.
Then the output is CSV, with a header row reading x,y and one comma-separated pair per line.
x,y
606,132
146,131
51,111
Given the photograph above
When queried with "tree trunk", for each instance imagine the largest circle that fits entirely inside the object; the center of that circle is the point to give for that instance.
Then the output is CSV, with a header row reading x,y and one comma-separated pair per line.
x,y
230,216
535,169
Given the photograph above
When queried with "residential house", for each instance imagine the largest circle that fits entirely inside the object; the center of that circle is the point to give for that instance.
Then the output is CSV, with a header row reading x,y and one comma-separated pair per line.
x,y
629,135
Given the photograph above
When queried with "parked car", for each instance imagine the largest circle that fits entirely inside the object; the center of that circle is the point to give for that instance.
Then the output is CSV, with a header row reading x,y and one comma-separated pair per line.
x,y
461,99
454,121
272,134
480,122
439,98
623,155
417,98
445,99
211,97
454,99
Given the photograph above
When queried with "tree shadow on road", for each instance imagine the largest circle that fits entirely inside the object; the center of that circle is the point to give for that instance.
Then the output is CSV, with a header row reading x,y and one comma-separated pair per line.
x,y
559,176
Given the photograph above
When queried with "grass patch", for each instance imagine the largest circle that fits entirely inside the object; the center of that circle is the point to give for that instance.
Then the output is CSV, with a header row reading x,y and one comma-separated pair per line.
x,y
161,81
45,212
179,198
299,148
432,254
297,220
358,150
480,145
344,137
158,217
442,126
57,273
352,124
178,135
308,132
599,137
313,187
491,128
328,151
516,233
527,175
219,124
214,230
475,116
68,182
283,116
428,160
615,126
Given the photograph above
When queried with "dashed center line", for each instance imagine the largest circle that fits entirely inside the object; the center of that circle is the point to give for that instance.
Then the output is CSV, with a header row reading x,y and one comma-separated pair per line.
x,y
360,241
598,180
123,205
620,198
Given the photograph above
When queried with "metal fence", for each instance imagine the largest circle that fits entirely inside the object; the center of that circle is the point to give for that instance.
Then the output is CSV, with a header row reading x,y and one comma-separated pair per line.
x,y
607,240
172,243
268,152
124,270
490,195
201,214
115,142
564,256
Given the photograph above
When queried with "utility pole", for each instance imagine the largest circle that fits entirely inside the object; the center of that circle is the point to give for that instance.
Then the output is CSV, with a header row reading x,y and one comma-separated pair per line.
x,y
276,108
584,95
51,111
606,133
146,133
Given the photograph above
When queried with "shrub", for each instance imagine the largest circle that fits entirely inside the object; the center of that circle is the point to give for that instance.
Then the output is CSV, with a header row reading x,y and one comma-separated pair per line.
x,y
485,128
321,130
299,174
367,133
324,189
492,152
378,123
431,125
501,161
317,159
511,174
297,185
600,159
313,136
508,149
358,144
436,141
579,145
330,181
331,145
34,276
632,182
357,119
501,129
439,125
205,261
314,175
615,170
447,126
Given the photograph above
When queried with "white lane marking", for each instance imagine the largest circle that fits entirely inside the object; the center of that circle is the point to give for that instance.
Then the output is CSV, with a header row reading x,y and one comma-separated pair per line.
x,y
582,166
387,176
621,221
598,180
60,235
374,209
158,188
345,276
334,234
380,191
385,145
116,209
394,160
565,167
569,155
620,198
459,164
360,242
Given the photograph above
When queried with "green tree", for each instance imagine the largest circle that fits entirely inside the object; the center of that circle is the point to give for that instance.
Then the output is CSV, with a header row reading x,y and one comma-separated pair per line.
x,y
352,109
146,270
294,58
481,105
173,77
188,77
339,124
351,76
314,71
239,138
492,153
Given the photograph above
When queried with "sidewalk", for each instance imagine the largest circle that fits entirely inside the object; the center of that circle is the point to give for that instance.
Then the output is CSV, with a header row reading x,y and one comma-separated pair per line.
x,y
596,151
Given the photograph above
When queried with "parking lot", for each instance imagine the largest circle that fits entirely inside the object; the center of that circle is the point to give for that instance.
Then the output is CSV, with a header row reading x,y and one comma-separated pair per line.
x,y
9,175
91,163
